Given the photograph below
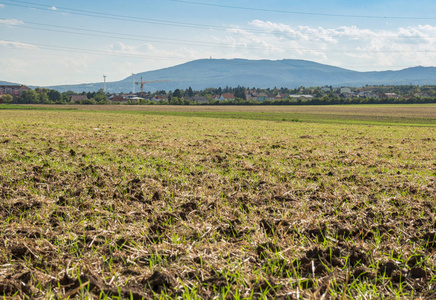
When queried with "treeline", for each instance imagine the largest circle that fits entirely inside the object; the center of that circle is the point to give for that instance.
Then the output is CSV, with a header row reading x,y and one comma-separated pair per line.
x,y
49,96
42,96
353,100
289,101
405,94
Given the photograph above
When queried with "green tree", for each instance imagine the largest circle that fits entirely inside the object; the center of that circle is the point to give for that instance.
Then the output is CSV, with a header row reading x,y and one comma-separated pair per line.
x,y
54,95
100,97
7,98
89,101
28,97
177,93
41,91
43,98
190,92
239,92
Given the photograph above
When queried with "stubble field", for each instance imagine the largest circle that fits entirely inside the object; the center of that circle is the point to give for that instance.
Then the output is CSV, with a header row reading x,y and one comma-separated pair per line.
x,y
173,203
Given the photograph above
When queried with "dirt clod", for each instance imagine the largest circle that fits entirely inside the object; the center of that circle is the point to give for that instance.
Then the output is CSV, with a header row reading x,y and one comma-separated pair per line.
x,y
10,288
387,268
159,282
20,252
417,272
362,272
398,276
157,196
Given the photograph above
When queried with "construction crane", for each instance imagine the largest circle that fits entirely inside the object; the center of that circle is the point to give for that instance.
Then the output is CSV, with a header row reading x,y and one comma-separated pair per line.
x,y
141,83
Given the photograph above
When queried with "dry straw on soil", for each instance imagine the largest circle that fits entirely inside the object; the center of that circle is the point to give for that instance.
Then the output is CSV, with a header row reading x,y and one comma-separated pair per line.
x,y
98,205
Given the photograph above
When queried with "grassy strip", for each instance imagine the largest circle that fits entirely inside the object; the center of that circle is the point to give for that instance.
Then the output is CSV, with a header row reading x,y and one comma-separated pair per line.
x,y
362,117
297,117
27,107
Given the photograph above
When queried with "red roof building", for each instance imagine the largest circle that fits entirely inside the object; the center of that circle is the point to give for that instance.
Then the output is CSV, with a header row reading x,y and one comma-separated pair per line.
x,y
14,90
227,96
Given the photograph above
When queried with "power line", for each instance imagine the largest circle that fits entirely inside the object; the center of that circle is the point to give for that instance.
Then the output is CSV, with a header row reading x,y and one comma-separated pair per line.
x,y
110,35
185,41
96,52
110,16
163,40
106,53
90,51
127,18
196,43
304,13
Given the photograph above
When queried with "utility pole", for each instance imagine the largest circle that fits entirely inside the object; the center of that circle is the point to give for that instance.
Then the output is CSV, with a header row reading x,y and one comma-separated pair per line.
x,y
133,88
104,78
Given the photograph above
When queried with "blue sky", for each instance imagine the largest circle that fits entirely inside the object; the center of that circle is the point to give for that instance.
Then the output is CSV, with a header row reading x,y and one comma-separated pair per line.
x,y
58,42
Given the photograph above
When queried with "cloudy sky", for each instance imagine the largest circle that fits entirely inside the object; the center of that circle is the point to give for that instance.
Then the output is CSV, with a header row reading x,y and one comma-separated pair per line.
x,y
52,42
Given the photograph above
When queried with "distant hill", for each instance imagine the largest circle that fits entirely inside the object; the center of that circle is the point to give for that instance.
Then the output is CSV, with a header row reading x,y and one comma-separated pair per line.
x,y
8,83
204,73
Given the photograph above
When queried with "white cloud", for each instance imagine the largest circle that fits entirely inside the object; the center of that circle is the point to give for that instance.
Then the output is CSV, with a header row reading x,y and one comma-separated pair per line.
x,y
149,50
10,22
18,45
52,8
2,5
42,67
347,46
350,47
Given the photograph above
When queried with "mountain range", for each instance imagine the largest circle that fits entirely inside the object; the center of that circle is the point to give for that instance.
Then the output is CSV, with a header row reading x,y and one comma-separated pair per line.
x,y
290,73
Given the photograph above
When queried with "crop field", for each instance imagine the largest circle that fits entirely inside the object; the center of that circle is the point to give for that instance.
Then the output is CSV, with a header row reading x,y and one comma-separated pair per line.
x,y
164,202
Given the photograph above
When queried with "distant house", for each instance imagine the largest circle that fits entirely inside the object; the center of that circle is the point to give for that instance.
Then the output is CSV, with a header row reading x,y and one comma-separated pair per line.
x,y
200,99
14,90
78,98
147,96
391,95
422,95
227,97
250,95
160,98
301,97
118,99
367,94
271,97
262,97
280,96
136,99
345,90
